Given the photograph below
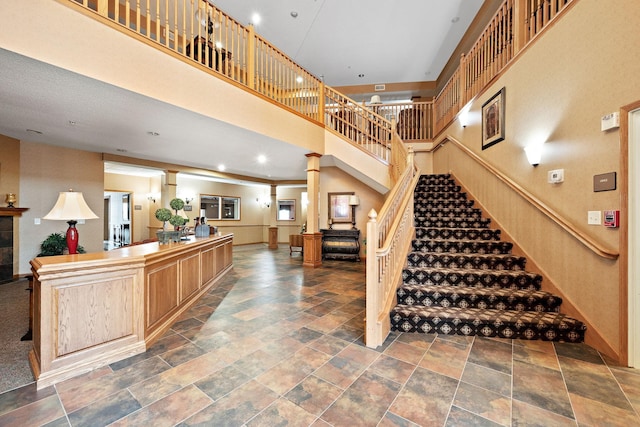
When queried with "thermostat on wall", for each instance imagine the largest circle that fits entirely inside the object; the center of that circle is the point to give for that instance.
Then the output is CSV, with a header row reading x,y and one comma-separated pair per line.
x,y
610,121
555,176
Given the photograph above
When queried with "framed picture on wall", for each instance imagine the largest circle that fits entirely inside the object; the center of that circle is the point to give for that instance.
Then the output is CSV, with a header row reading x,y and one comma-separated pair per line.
x,y
493,120
339,209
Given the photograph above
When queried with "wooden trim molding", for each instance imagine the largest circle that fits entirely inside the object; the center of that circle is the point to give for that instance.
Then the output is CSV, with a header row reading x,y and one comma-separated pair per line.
x,y
623,281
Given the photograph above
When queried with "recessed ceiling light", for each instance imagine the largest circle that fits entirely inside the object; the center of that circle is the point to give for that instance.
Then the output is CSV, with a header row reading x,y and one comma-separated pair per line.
x,y
456,19
255,18
221,167
72,123
294,14
361,75
152,133
262,158
121,150
34,131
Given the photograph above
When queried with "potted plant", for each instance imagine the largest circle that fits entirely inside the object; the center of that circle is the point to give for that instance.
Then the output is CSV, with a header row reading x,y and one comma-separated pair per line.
x,y
56,244
164,215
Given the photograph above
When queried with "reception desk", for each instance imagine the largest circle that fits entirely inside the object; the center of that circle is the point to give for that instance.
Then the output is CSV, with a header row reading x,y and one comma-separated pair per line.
x,y
94,309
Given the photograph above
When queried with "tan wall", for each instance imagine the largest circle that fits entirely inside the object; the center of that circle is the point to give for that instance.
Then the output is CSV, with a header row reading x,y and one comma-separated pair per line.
x,y
83,45
255,220
334,180
10,183
557,92
140,187
44,172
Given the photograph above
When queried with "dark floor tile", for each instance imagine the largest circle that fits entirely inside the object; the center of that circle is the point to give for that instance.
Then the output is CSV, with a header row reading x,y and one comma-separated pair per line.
x,y
222,382
236,408
305,335
488,379
283,413
364,403
40,412
541,387
169,410
105,411
314,394
459,417
487,404
492,354
593,381
392,420
392,368
525,415
182,354
18,397
412,405
578,351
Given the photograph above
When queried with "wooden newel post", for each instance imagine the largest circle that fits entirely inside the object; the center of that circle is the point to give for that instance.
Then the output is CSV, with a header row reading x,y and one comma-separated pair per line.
x,y
372,329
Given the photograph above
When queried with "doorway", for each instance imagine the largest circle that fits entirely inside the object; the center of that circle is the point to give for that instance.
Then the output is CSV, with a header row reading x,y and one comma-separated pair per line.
x,y
118,224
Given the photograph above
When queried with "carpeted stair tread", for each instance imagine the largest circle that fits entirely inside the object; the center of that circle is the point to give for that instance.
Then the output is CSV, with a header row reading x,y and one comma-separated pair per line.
x,y
457,233
488,323
449,212
421,221
443,204
473,297
461,278
467,261
462,246
467,277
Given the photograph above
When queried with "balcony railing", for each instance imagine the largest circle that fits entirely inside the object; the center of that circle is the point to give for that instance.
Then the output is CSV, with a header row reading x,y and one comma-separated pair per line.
x,y
206,35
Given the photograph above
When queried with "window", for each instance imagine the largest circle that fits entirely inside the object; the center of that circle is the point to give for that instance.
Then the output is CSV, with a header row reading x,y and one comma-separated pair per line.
x,y
286,210
219,207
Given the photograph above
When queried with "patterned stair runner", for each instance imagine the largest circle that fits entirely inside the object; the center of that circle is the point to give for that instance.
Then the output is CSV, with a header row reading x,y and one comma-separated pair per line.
x,y
462,279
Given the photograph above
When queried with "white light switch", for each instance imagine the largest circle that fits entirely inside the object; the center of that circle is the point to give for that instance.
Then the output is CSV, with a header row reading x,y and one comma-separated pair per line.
x,y
36,221
594,217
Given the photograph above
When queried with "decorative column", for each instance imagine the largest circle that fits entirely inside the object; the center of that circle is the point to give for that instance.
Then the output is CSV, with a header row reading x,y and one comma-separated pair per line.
x,y
312,249
273,212
170,187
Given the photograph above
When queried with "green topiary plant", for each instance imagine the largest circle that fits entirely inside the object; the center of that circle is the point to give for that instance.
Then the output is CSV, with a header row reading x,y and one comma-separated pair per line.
x,y
164,215
176,204
177,221
55,244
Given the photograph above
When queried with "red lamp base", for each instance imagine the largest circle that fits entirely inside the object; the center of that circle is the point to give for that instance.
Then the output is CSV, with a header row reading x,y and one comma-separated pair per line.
x,y
72,237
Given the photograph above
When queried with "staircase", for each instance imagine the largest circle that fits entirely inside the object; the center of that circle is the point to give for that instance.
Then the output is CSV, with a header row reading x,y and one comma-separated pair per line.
x,y
461,279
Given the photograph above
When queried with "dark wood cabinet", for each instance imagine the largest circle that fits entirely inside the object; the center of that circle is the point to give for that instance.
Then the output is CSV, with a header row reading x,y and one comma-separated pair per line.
x,y
341,244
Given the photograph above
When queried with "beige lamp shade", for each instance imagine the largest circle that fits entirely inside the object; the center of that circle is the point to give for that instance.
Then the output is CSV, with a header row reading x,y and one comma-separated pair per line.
x,y
70,206
354,200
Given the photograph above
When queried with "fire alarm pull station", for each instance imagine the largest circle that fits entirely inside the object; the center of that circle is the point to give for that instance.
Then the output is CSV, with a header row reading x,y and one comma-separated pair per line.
x,y
612,219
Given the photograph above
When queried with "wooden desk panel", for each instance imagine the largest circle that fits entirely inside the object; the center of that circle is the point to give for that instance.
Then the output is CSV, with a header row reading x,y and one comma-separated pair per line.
x,y
94,309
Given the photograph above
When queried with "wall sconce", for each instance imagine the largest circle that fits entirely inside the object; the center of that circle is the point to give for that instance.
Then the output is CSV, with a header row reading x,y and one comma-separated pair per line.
x,y
188,200
353,202
534,153
264,203
463,115
151,198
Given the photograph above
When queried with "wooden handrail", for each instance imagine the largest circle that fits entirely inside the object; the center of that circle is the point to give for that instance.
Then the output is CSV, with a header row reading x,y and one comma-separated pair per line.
x,y
586,240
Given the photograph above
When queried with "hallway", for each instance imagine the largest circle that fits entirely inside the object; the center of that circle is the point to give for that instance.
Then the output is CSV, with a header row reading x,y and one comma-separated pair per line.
x,y
278,344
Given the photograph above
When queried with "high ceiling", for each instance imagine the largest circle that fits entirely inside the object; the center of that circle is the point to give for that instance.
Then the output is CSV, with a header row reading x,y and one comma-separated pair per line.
x,y
362,42
406,42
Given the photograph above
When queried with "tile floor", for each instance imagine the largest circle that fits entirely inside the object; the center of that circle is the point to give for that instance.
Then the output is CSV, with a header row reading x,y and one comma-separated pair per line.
x,y
276,344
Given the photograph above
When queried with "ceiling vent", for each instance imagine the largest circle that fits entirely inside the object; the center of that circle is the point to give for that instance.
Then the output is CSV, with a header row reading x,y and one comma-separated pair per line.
x,y
378,88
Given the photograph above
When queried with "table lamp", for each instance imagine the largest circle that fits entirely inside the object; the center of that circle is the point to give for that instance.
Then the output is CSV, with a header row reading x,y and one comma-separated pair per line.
x,y
353,202
71,207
